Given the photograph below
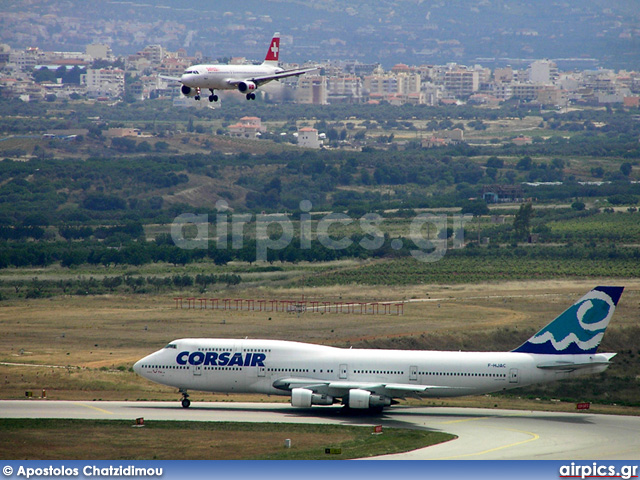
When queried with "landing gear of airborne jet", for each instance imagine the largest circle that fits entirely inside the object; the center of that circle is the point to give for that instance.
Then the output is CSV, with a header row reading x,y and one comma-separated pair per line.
x,y
197,97
213,97
251,96
185,399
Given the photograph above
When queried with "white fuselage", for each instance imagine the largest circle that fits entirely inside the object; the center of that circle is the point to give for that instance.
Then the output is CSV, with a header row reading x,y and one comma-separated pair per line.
x,y
224,77
254,366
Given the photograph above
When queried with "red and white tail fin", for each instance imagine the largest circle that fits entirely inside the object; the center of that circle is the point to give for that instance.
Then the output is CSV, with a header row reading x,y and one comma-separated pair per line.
x,y
273,53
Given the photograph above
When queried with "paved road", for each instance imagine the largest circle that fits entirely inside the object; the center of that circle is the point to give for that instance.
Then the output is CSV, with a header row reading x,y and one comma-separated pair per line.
x,y
483,433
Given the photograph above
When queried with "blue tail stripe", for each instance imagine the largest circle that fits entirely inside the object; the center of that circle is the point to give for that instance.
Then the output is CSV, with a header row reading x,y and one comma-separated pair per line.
x,y
614,292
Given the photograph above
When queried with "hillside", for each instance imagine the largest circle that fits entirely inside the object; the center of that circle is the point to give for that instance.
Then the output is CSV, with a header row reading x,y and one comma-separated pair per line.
x,y
399,31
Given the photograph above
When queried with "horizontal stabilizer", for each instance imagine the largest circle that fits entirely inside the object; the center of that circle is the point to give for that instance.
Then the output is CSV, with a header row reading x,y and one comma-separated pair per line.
x,y
563,366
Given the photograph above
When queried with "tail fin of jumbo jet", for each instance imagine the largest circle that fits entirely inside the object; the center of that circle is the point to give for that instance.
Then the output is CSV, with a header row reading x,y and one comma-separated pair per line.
x,y
580,328
273,53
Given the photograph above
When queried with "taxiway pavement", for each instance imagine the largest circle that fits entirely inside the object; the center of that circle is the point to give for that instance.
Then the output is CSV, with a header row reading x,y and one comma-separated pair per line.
x,y
482,433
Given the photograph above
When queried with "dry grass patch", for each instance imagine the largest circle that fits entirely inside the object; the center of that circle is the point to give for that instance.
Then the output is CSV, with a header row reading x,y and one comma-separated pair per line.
x,y
60,439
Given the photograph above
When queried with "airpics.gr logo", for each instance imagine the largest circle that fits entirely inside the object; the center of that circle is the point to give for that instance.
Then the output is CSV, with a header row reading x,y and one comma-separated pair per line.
x,y
224,359
430,234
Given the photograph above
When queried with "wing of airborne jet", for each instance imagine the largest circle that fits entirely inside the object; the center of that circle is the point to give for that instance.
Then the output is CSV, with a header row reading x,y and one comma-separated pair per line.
x,y
172,79
276,76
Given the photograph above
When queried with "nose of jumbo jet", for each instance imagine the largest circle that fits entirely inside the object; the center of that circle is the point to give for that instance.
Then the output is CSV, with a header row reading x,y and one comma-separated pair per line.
x,y
137,367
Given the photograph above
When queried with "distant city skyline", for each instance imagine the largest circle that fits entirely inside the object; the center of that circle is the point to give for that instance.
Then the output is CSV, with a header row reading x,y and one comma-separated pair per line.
x,y
34,73
491,32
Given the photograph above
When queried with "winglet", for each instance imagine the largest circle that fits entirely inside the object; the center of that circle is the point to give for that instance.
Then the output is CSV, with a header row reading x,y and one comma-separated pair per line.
x,y
580,328
273,52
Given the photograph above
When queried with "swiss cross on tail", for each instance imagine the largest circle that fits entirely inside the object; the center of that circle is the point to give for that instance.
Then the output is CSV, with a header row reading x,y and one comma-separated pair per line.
x,y
274,48
273,53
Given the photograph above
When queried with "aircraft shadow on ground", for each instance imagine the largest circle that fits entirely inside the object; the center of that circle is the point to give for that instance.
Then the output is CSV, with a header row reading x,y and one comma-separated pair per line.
x,y
392,417
338,413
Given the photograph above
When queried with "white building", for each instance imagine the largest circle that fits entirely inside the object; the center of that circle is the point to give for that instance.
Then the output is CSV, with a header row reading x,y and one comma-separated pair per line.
x,y
462,82
344,88
381,84
26,59
104,82
155,53
308,138
543,72
98,51
247,127
408,83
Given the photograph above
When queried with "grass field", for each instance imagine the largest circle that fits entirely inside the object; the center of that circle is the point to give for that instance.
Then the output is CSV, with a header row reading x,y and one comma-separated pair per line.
x,y
59,439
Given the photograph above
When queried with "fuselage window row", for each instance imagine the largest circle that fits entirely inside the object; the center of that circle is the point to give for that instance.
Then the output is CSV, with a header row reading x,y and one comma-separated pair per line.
x,y
374,372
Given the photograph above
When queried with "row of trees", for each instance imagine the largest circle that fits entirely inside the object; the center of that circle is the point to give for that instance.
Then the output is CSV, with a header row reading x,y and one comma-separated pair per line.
x,y
37,288
356,246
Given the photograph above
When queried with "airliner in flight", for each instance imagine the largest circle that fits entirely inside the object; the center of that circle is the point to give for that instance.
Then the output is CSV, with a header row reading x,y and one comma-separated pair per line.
x,y
245,78
373,379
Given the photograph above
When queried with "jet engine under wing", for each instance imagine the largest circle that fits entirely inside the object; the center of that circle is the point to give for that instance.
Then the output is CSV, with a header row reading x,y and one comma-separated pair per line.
x,y
276,76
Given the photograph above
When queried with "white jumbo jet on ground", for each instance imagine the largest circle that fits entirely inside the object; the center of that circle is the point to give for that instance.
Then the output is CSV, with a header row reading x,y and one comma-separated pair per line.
x,y
372,379
245,78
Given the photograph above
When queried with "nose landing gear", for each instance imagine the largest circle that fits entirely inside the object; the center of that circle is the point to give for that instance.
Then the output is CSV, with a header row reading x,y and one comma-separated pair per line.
x,y
185,399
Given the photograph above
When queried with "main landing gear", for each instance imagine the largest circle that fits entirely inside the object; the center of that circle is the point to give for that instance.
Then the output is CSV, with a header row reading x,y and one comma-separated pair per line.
x,y
185,399
251,96
213,97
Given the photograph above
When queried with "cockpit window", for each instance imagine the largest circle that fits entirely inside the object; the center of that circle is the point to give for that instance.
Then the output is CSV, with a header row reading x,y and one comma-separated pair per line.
x,y
192,72
171,345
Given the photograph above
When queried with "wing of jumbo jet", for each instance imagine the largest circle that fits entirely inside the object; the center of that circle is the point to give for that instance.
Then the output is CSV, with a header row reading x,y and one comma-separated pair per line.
x,y
276,76
340,388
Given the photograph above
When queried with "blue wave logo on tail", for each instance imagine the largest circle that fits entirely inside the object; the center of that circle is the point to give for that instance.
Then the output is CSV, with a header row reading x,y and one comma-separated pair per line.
x,y
580,328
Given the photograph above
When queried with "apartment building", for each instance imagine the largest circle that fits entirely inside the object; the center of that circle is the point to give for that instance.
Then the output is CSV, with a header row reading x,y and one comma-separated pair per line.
x,y
107,82
525,91
461,82
344,89
543,72
311,89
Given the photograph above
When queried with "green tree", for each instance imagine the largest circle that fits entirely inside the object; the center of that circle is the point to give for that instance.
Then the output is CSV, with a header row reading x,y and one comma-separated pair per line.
x,y
44,75
475,207
525,163
522,221
495,162
625,168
